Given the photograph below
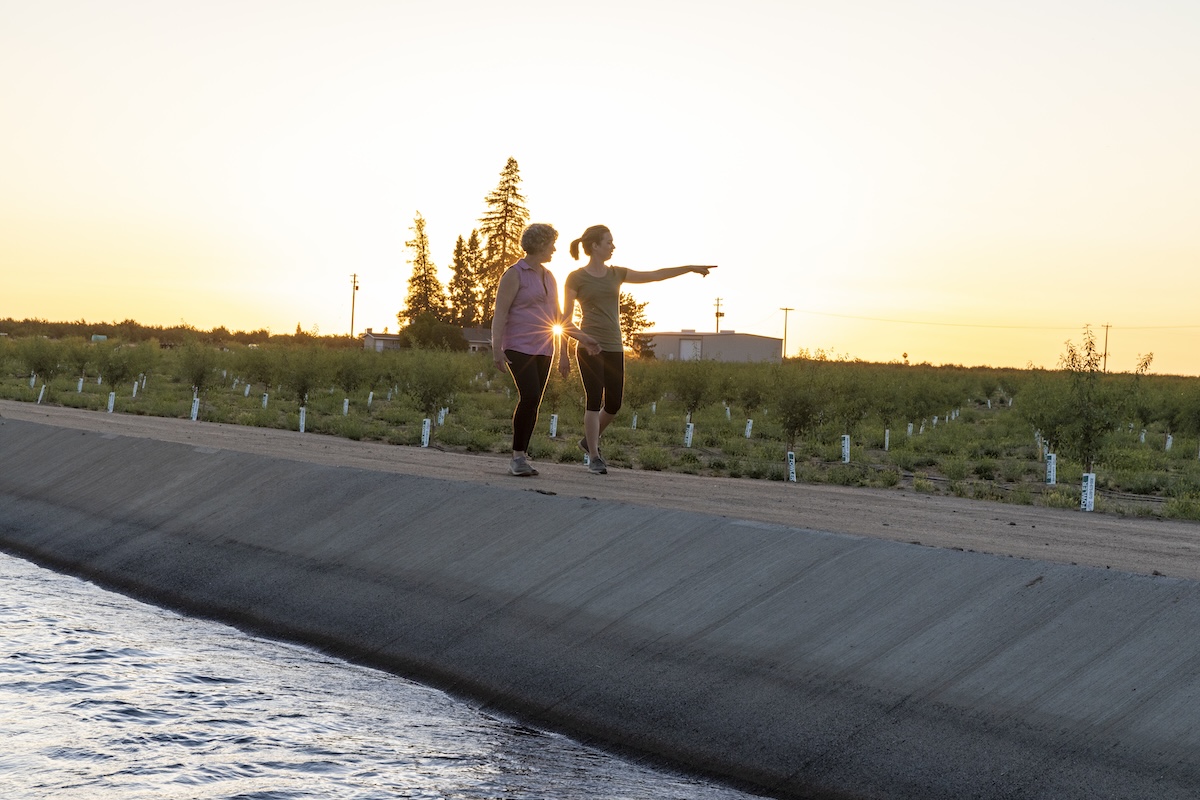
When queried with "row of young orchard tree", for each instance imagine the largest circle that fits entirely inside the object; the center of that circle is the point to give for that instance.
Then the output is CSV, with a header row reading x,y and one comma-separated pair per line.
x,y
801,395
1076,408
982,430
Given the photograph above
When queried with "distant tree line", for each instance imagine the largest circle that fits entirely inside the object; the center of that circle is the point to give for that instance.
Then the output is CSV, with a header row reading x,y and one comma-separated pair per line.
x,y
130,331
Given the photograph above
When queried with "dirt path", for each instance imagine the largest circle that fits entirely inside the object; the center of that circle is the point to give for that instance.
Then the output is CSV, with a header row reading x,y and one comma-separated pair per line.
x,y
1134,544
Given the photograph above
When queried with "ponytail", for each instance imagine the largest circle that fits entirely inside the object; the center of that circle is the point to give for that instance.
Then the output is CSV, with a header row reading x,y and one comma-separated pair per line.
x,y
589,238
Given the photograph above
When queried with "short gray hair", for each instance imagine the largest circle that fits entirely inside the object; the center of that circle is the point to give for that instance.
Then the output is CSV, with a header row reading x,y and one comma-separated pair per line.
x,y
537,236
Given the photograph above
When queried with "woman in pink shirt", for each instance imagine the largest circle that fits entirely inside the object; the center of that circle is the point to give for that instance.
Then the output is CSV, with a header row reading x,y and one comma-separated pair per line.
x,y
525,324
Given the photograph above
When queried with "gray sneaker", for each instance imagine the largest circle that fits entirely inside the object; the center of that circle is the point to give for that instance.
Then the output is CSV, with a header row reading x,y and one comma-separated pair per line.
x,y
597,466
521,468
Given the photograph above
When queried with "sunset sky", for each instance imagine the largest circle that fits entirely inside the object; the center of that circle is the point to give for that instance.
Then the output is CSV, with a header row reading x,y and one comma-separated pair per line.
x,y
964,182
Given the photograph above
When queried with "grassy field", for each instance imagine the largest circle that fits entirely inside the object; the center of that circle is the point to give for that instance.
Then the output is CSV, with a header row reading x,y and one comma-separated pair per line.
x,y
975,432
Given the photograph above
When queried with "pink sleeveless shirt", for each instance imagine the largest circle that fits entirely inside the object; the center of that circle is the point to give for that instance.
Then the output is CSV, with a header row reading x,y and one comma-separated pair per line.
x,y
533,313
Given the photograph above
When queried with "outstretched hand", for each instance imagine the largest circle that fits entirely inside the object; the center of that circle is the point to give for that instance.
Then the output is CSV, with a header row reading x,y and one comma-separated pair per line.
x,y
703,269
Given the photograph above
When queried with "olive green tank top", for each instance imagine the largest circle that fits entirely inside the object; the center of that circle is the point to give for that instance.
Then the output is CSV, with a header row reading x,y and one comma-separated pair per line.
x,y
600,298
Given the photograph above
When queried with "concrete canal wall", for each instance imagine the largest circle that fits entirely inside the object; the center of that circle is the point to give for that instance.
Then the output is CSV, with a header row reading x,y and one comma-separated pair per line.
x,y
808,663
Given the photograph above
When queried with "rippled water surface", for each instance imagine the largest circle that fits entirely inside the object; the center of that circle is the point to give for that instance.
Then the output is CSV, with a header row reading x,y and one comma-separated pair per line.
x,y
102,697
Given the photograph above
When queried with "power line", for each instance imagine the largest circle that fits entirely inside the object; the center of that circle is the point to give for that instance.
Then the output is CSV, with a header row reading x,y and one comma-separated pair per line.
x,y
1156,327
770,316
974,325
763,320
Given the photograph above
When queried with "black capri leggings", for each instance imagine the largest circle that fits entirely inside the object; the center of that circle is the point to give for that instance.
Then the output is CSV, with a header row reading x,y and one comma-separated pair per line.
x,y
603,380
530,373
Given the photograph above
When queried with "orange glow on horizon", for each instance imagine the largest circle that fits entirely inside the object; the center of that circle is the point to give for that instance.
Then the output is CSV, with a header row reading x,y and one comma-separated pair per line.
x,y
908,183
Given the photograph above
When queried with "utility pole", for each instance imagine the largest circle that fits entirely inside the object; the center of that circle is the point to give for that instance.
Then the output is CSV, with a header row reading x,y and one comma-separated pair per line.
x,y
353,295
1106,327
720,314
785,313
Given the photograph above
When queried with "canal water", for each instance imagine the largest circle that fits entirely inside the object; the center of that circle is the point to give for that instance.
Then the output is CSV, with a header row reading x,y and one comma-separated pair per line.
x,y
105,698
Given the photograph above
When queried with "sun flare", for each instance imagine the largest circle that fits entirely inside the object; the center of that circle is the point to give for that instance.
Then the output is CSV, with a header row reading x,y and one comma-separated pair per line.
x,y
558,329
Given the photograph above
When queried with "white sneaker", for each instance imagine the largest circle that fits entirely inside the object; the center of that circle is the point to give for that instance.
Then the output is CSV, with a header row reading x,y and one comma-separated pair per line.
x,y
521,468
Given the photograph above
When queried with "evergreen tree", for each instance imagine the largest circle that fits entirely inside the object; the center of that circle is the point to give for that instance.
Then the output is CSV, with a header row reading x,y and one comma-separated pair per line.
x,y
501,226
475,260
425,293
633,324
464,287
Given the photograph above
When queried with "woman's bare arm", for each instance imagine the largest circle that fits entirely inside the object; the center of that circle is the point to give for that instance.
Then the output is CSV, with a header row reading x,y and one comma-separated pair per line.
x,y
634,276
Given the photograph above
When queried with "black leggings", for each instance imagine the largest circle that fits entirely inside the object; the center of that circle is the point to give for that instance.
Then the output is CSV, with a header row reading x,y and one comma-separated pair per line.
x,y
603,380
530,373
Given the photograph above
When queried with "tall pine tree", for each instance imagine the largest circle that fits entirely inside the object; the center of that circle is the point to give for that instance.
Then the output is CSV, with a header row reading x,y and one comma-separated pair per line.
x,y
475,260
501,227
425,294
464,285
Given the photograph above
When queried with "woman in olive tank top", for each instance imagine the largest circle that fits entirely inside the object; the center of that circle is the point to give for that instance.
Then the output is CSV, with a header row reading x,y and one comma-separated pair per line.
x,y
596,286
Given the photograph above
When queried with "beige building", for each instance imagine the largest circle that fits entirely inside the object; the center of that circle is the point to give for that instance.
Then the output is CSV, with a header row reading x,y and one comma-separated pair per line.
x,y
381,341
479,340
687,345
